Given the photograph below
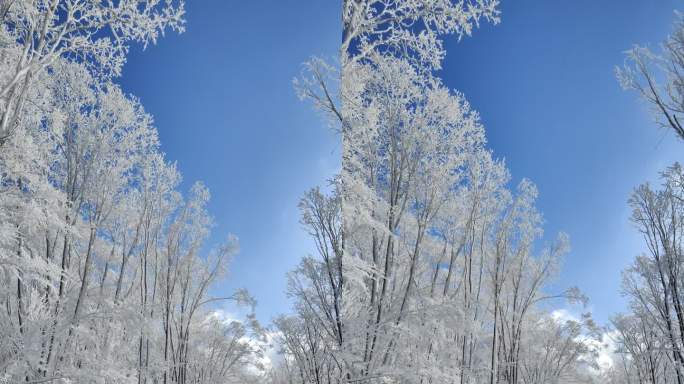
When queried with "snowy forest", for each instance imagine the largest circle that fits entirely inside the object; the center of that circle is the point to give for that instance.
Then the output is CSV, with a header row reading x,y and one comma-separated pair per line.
x,y
429,264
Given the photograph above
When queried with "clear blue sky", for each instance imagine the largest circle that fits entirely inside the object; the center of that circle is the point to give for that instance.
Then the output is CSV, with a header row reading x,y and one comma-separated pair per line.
x,y
543,81
222,98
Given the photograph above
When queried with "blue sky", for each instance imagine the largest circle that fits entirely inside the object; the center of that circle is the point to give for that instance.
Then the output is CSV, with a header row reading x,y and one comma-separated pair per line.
x,y
543,81
222,98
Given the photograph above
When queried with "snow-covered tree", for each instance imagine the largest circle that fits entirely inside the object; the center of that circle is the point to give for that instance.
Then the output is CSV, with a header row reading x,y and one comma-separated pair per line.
x,y
103,271
441,274
652,336
658,77
34,34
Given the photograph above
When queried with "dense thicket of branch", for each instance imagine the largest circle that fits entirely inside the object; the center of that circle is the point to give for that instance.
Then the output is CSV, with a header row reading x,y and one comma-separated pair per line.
x,y
429,268
651,337
103,273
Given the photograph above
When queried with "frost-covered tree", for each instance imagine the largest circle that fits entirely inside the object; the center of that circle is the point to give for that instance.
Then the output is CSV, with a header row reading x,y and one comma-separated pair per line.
x,y
409,29
559,351
441,269
652,336
643,356
34,34
658,77
104,274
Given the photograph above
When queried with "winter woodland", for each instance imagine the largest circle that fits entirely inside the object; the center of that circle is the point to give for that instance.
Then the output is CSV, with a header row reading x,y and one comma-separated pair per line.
x,y
429,266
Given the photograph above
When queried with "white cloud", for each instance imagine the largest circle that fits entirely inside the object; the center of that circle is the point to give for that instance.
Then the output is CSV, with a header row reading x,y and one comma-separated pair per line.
x,y
562,315
606,351
605,347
